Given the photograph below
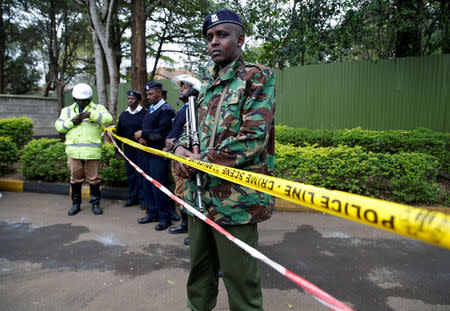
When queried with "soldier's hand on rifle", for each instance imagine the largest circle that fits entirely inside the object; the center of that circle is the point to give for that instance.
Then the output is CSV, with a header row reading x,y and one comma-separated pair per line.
x,y
183,170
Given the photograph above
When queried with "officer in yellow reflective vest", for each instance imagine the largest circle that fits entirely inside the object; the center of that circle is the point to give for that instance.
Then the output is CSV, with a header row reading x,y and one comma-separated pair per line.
x,y
82,123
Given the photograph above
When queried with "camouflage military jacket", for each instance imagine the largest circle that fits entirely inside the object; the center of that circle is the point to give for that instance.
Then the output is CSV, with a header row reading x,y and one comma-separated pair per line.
x,y
244,139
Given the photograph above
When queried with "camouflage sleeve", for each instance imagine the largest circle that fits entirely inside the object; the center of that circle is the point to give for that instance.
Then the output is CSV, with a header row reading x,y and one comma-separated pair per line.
x,y
257,114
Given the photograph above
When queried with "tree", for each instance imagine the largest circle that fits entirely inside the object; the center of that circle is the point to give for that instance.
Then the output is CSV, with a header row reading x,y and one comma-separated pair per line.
x,y
2,49
63,30
292,32
18,72
101,18
390,28
177,23
138,56
303,32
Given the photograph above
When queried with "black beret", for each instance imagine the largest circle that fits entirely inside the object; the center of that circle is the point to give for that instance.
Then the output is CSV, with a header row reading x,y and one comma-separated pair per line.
x,y
219,17
135,93
153,85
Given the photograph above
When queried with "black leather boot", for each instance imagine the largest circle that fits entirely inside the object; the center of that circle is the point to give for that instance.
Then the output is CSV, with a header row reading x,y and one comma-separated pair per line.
x,y
95,199
183,227
148,218
76,199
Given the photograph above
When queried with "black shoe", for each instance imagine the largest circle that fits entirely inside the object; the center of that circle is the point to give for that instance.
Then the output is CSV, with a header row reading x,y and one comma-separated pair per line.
x,y
163,225
143,207
74,210
96,209
186,241
147,219
179,229
175,216
130,203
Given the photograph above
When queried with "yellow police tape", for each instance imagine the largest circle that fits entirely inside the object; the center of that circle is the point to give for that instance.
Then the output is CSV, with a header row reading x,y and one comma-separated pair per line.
x,y
429,226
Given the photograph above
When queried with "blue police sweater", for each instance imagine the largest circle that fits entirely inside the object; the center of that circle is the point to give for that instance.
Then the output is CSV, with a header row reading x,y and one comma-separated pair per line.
x,y
156,126
129,123
178,123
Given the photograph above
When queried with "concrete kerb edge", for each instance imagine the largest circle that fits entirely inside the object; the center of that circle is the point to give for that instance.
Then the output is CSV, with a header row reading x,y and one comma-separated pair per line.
x,y
110,193
63,189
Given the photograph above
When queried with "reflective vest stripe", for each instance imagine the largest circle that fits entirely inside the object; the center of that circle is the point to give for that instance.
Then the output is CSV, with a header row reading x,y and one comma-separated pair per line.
x,y
84,145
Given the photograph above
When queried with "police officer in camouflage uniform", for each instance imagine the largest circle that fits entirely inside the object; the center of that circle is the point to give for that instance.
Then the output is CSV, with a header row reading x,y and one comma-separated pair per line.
x,y
241,136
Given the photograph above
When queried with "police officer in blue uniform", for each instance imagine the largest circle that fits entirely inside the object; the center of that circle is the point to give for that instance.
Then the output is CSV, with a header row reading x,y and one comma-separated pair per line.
x,y
156,124
130,122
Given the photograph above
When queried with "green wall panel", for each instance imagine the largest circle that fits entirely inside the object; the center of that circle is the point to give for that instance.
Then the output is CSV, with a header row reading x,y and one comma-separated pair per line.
x,y
403,93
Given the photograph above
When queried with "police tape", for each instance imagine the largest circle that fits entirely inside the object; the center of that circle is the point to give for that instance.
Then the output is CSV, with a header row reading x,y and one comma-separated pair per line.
x,y
317,293
429,226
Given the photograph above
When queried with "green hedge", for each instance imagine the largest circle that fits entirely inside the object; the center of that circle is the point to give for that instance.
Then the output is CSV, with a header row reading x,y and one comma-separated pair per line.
x,y
113,166
419,140
8,154
45,159
19,129
402,177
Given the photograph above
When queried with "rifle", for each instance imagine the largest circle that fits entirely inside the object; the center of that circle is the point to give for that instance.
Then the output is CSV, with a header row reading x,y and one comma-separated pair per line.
x,y
192,132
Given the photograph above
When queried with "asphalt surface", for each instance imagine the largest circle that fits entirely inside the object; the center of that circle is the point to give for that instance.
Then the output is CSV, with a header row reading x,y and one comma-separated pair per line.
x,y
50,261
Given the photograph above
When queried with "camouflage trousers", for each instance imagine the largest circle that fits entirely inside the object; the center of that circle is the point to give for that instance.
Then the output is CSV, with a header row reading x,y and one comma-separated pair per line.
x,y
210,252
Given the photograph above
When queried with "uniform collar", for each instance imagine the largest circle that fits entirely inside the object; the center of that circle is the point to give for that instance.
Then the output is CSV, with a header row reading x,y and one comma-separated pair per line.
x,y
212,70
138,108
153,108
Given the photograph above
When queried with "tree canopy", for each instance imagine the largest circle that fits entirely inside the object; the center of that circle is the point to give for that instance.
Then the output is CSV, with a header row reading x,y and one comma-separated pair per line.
x,y
58,43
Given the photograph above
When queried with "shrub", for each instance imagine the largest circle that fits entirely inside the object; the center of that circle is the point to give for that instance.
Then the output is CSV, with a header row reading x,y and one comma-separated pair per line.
x,y
8,154
303,137
403,177
45,159
19,129
420,140
113,166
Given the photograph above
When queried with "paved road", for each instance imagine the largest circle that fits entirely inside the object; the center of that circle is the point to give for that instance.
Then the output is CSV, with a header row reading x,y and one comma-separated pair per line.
x,y
49,261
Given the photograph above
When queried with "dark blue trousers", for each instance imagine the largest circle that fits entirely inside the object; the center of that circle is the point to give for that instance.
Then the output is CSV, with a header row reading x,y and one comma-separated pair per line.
x,y
135,179
156,202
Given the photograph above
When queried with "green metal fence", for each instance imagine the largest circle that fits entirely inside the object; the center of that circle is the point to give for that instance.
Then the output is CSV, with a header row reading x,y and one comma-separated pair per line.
x,y
403,93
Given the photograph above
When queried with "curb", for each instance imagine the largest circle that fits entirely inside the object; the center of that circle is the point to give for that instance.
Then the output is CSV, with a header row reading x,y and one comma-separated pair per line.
x,y
122,194
63,189
111,193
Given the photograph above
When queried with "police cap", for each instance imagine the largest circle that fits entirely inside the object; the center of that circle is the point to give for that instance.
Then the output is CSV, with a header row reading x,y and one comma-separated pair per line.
x,y
219,17
135,93
153,85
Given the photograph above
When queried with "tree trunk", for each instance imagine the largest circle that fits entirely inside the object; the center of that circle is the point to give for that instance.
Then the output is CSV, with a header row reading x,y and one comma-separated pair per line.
x,y
138,56
103,33
2,51
100,71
